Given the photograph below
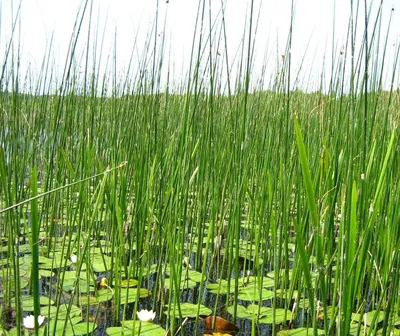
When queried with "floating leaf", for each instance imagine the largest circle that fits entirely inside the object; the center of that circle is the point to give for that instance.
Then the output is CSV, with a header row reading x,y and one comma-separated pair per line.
x,y
118,331
101,264
256,281
221,287
280,272
190,310
104,295
353,331
88,300
64,311
264,314
240,311
185,283
281,316
254,294
392,332
84,328
300,332
46,273
369,317
254,309
72,326
27,302
129,295
129,283
196,276
141,328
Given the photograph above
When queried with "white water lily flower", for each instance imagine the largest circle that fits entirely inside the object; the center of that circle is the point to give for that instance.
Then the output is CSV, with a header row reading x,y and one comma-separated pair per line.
x,y
146,315
29,321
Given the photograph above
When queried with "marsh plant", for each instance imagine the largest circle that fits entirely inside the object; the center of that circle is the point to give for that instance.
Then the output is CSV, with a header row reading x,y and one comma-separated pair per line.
x,y
126,192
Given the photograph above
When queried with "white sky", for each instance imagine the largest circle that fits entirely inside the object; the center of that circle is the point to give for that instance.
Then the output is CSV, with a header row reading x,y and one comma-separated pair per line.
x,y
130,21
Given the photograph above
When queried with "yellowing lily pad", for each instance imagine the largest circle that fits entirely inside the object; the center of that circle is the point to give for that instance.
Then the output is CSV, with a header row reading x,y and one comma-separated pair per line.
x,y
129,283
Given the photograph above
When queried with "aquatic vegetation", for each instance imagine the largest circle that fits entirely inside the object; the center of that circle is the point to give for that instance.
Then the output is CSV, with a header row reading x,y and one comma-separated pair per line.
x,y
223,204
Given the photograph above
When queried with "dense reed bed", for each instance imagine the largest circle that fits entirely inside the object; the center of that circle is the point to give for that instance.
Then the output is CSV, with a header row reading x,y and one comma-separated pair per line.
x,y
288,197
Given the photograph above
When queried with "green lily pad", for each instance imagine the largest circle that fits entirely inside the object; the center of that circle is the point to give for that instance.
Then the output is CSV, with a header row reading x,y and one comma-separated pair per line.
x,y
279,316
104,295
264,314
101,264
252,293
88,300
300,332
266,282
46,273
280,272
63,311
369,316
354,329
392,332
149,271
118,331
84,328
129,295
84,286
190,310
141,328
254,309
241,311
221,287
27,302
71,275
72,326
196,276
51,263
185,283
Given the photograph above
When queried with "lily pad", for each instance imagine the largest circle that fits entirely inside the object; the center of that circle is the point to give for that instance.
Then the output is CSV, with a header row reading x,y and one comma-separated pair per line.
x,y
72,326
264,314
369,317
129,283
141,328
196,276
354,329
300,332
27,302
129,295
46,273
190,310
64,311
104,295
393,332
252,293
279,316
241,311
221,287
